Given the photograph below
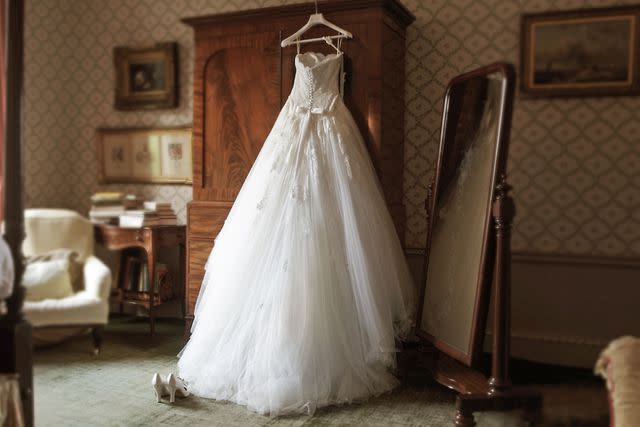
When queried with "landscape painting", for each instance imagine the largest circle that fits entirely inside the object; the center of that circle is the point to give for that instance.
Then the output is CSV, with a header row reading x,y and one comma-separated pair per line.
x,y
568,54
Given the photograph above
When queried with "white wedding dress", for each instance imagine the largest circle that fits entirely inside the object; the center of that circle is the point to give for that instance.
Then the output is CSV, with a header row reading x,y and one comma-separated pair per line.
x,y
306,286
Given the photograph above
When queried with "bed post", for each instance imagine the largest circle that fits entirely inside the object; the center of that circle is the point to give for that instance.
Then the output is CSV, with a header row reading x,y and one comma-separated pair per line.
x,y
15,331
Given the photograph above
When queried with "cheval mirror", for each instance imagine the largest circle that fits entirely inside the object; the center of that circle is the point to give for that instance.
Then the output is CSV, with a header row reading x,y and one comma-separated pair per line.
x,y
458,262
469,216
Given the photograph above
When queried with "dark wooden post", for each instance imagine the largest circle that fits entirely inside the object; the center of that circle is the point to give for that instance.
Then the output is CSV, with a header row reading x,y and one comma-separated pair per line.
x,y
13,191
503,213
15,332
500,395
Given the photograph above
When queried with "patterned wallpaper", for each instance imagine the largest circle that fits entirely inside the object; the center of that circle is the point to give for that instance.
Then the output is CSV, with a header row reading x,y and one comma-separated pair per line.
x,y
574,163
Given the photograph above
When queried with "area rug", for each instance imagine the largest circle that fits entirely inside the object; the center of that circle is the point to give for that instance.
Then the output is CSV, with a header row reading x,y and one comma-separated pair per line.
x,y
74,388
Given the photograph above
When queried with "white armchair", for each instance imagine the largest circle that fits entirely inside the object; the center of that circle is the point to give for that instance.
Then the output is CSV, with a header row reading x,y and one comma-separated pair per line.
x,y
51,229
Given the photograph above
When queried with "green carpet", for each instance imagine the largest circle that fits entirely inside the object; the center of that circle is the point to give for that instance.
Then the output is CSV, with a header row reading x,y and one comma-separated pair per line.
x,y
73,388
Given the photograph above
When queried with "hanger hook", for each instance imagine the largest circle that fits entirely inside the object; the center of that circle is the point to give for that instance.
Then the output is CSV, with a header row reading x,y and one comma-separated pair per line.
x,y
316,2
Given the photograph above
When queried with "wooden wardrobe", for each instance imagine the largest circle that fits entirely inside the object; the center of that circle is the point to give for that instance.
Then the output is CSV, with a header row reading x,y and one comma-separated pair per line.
x,y
241,80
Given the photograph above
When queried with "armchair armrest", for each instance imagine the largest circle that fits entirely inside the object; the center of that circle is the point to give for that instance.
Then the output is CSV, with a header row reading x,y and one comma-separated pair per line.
x,y
97,278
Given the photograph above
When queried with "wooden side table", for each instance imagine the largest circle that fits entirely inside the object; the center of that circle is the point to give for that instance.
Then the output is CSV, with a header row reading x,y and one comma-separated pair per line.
x,y
150,239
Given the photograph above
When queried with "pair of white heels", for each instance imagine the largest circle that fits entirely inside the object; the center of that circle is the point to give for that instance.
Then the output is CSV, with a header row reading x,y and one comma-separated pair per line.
x,y
172,386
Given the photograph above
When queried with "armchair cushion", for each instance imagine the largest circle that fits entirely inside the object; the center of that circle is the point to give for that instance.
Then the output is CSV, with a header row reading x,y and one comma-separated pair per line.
x,y
81,308
87,307
74,266
47,280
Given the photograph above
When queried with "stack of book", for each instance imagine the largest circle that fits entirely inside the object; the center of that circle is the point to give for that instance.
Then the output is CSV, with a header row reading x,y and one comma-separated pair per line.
x,y
164,212
132,201
136,218
106,207
152,213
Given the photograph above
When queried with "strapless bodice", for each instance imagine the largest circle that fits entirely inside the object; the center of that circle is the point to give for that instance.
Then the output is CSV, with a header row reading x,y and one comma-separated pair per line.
x,y
316,86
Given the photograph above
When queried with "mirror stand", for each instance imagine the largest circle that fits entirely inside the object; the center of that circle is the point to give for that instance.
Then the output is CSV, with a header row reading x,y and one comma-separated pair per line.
x,y
476,392
498,394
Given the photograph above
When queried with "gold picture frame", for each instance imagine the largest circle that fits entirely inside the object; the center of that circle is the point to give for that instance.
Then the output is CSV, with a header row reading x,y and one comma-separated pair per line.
x,y
588,52
146,77
145,155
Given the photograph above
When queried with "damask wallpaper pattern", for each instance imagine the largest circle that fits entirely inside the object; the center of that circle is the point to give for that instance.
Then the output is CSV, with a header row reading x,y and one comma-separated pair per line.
x,y
574,163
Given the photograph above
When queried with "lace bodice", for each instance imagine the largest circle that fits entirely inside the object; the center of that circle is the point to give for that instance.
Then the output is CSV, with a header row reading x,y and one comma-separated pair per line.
x,y
316,85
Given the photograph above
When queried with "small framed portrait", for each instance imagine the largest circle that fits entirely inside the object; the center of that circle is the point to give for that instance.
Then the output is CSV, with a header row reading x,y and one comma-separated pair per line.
x,y
116,156
590,52
175,153
160,156
146,77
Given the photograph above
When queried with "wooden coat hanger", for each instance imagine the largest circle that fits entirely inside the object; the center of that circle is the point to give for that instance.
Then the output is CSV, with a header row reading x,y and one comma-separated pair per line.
x,y
315,20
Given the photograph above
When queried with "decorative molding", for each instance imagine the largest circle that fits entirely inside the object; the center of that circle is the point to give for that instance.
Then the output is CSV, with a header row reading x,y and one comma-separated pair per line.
x,y
583,261
393,6
564,259
554,339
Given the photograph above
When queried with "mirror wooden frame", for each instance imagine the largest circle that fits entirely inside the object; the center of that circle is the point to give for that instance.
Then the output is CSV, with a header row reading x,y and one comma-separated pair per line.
x,y
484,278
460,371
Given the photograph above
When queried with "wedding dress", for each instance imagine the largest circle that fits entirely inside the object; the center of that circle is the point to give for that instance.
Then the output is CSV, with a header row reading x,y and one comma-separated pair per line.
x,y
306,287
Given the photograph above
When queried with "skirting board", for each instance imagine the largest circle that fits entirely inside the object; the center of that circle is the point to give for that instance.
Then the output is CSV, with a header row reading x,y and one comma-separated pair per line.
x,y
565,309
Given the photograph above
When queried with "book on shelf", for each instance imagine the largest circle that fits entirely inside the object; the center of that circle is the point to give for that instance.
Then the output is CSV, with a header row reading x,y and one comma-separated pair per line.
x,y
106,206
137,219
131,201
163,211
109,208
139,212
106,213
131,273
153,205
130,210
106,197
110,220
143,279
136,279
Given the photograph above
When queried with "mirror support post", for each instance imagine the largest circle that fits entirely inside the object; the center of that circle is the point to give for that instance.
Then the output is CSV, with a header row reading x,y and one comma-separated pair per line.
x,y
500,396
503,213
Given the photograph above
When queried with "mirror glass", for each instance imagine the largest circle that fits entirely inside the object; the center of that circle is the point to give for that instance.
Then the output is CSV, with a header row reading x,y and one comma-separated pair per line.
x,y
458,264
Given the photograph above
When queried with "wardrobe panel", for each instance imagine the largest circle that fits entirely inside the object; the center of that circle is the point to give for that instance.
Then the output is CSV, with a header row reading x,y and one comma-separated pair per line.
x,y
241,100
206,219
191,297
391,153
199,250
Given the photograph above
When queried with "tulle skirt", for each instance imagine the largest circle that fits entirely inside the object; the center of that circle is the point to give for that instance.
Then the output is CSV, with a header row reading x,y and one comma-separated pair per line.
x,y
307,286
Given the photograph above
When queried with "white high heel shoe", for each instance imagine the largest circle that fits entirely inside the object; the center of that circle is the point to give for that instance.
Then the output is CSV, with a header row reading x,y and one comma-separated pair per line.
x,y
176,385
158,386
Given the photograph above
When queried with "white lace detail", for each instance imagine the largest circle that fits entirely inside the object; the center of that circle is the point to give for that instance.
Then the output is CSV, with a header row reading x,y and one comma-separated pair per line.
x,y
296,311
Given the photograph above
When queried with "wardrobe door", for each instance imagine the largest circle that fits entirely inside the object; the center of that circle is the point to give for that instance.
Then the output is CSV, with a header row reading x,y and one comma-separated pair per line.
x,y
238,104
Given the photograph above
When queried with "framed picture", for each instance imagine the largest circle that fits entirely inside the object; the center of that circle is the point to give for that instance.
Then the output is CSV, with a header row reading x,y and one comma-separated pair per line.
x,y
146,77
580,53
145,155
